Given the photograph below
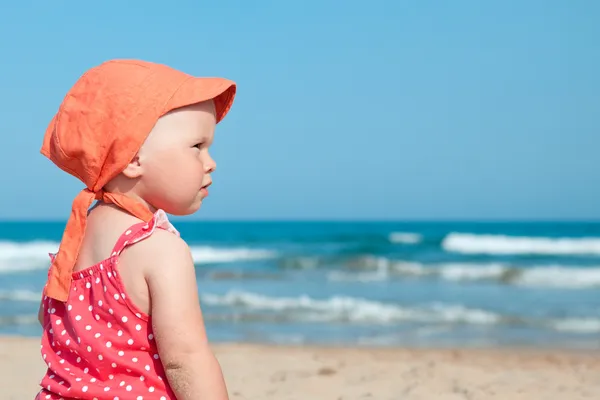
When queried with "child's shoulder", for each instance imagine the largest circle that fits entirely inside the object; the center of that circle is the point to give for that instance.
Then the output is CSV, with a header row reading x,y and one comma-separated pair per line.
x,y
158,246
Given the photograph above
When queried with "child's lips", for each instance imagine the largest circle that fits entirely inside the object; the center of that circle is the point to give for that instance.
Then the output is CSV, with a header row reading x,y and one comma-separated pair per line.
x,y
204,189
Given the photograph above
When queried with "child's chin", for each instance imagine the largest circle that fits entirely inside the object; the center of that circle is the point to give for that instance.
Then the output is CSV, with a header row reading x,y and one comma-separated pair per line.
x,y
183,211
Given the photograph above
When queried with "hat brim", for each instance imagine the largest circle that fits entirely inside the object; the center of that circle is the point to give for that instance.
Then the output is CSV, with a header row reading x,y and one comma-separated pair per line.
x,y
196,90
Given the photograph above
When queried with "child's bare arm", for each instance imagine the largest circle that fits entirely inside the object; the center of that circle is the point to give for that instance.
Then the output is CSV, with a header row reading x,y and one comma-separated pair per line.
x,y
191,367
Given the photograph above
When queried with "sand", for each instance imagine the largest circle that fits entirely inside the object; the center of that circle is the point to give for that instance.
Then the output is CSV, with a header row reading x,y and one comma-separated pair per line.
x,y
285,372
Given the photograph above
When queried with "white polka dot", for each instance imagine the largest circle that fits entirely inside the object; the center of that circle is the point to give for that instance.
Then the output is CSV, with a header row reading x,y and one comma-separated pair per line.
x,y
58,322
62,361
147,367
109,325
89,348
121,353
100,357
97,335
104,289
138,315
101,266
111,377
109,274
106,389
116,296
70,307
93,380
128,232
151,389
114,365
88,285
68,341
108,344
78,318
78,379
110,311
134,359
86,370
124,319
52,376
138,327
140,398
128,388
100,303
130,342
52,310
142,378
123,295
97,280
150,336
84,389
120,333
156,356
81,297
88,328
63,332
90,308
122,383
97,317
78,359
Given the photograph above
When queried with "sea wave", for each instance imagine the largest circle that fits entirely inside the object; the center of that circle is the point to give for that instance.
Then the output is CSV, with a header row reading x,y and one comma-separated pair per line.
x,y
465,243
405,237
242,306
350,309
543,276
31,256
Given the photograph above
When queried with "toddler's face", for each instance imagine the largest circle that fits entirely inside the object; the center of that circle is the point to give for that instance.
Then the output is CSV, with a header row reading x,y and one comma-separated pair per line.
x,y
174,161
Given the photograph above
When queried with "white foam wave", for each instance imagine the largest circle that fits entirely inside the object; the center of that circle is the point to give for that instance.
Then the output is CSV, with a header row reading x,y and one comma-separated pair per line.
x,y
28,256
343,308
20,295
405,237
548,276
503,245
577,325
206,254
31,256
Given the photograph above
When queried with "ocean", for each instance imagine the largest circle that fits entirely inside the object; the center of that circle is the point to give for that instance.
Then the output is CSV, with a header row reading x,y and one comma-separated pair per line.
x,y
363,283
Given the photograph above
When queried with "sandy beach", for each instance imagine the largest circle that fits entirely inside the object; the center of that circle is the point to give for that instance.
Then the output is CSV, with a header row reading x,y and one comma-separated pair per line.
x,y
294,372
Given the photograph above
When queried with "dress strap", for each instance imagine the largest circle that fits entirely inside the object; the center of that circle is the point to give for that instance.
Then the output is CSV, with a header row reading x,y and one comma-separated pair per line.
x,y
143,230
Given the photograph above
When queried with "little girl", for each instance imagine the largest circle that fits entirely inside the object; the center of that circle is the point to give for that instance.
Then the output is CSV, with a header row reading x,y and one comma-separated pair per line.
x,y
120,312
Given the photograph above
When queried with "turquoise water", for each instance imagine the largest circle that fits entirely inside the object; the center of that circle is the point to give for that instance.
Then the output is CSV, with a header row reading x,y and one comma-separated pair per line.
x,y
412,284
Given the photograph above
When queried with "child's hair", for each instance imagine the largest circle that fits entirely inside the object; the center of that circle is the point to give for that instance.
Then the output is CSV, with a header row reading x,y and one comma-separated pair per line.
x,y
100,126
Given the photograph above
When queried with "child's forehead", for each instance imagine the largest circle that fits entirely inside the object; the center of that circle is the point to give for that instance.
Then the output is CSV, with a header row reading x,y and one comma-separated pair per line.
x,y
190,122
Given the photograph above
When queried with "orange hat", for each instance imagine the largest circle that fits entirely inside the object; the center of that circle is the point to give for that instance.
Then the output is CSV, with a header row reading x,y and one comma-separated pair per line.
x,y
101,125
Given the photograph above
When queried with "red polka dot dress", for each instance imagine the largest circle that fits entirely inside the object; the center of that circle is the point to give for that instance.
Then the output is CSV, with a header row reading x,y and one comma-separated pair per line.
x,y
98,344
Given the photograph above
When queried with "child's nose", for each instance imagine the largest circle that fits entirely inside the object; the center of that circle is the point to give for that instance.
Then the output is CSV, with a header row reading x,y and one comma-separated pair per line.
x,y
210,165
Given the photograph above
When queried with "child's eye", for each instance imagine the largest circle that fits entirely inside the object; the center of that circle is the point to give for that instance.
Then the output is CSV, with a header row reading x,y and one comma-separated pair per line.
x,y
199,145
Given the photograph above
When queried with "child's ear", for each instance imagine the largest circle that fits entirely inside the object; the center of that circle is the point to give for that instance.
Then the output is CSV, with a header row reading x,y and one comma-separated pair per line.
x,y
133,169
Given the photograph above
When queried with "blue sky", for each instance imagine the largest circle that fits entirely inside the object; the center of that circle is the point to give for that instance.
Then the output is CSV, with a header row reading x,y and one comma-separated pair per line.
x,y
395,110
